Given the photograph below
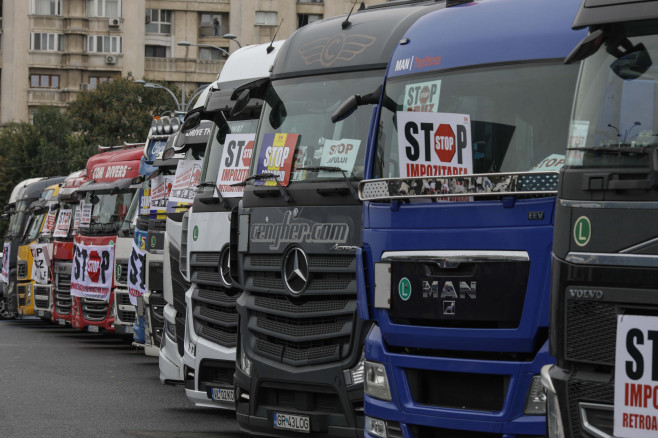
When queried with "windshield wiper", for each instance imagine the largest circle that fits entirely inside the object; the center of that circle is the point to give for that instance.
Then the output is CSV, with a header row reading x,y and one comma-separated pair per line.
x,y
624,148
332,169
261,176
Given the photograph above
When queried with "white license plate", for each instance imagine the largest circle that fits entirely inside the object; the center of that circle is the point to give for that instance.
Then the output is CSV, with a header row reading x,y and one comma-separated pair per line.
x,y
92,328
40,313
129,329
61,321
223,395
297,423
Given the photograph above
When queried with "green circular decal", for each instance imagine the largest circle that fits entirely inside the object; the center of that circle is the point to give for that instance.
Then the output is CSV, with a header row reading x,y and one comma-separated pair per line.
x,y
111,243
582,231
153,241
195,233
404,288
118,274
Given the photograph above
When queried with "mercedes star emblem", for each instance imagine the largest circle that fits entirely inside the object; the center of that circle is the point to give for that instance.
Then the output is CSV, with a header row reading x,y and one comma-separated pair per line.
x,y
295,270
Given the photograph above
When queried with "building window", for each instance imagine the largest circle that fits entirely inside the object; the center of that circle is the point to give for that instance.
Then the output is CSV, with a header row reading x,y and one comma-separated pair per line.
x,y
103,44
156,52
304,19
46,41
104,8
95,80
265,18
44,81
46,7
312,1
209,54
158,21
213,24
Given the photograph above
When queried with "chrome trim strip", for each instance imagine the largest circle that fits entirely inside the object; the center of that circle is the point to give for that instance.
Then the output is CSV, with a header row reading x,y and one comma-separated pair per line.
x,y
634,248
630,205
455,257
596,432
590,258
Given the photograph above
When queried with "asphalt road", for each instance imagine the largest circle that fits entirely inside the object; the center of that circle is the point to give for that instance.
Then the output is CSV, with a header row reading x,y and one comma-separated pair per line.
x,y
56,381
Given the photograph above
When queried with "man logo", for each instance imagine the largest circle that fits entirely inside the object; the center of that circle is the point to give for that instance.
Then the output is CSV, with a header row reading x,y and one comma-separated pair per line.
x,y
326,51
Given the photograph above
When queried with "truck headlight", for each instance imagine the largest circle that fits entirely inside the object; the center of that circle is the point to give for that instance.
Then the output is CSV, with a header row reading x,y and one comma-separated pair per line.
x,y
375,427
553,415
535,403
354,376
376,381
170,329
245,363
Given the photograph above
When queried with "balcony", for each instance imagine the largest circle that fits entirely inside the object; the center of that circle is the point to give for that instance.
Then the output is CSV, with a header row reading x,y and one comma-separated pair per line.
x,y
181,69
48,96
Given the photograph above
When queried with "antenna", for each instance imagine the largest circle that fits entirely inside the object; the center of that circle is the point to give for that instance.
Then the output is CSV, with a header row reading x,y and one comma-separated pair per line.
x,y
345,24
271,47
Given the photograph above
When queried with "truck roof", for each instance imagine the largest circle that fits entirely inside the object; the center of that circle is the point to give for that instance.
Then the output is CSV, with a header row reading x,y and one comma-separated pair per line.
x,y
248,64
114,165
15,193
71,183
367,43
34,190
598,12
540,30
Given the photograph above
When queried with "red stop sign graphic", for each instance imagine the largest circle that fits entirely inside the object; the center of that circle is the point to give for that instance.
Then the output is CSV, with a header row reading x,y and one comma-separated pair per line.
x,y
424,94
246,154
444,143
94,266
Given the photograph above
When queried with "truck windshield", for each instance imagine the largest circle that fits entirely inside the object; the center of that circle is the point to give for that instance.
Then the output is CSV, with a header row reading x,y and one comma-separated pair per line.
x,y
34,227
300,111
109,209
127,224
615,120
215,146
515,125
17,218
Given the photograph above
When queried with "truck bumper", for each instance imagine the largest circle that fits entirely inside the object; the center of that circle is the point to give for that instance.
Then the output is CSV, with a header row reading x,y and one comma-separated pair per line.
x,y
411,418
171,363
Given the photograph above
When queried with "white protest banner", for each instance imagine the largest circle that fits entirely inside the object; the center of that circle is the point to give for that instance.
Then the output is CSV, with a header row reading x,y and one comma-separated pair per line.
x,y
4,274
552,163
85,214
136,273
144,202
40,263
49,224
92,270
234,165
636,377
63,223
422,97
188,176
160,191
76,217
341,154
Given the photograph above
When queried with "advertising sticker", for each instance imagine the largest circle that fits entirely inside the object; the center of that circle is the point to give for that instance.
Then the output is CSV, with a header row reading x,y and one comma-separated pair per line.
x,y
136,273
63,223
40,262
76,217
422,97
276,157
234,165
188,176
4,274
636,377
144,202
85,214
92,270
49,225
339,153
160,191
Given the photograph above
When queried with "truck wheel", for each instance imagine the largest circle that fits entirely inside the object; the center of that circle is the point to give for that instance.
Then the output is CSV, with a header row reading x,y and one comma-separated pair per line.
x,y
4,313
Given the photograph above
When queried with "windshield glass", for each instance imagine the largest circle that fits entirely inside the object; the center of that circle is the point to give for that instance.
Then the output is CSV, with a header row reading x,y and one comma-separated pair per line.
x,y
34,227
17,218
615,119
296,129
130,216
109,209
245,123
517,125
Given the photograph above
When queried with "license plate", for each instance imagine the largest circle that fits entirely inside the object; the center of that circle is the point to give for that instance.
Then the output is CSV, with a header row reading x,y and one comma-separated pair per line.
x,y
61,321
297,423
129,329
223,395
92,328
40,313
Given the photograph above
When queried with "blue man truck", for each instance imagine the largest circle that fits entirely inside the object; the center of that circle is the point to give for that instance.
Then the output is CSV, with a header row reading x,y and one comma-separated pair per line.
x,y
294,239
459,197
604,293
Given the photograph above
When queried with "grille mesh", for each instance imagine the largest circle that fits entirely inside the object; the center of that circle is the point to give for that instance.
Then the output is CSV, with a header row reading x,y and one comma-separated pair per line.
x,y
599,321
586,391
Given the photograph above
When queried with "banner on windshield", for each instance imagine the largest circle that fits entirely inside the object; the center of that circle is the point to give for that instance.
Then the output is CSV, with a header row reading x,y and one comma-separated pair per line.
x,y
92,270
40,263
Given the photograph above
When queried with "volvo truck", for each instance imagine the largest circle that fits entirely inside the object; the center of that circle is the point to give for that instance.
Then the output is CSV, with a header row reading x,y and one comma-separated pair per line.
x,y
604,297
459,201
211,322
299,358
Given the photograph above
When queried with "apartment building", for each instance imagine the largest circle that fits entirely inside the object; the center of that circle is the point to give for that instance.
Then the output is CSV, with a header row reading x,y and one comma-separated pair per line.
x,y
51,50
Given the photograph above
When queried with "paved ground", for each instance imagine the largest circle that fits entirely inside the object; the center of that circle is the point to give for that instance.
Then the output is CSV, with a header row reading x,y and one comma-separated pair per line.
x,y
56,381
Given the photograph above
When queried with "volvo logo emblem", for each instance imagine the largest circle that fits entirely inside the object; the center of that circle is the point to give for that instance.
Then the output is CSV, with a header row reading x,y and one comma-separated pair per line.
x,y
295,270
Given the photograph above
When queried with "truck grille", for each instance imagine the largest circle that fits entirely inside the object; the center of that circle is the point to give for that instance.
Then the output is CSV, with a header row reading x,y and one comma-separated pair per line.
x,y
179,287
94,310
586,391
156,314
21,269
310,401
41,297
156,276
22,294
599,321
122,298
213,305
62,287
215,373
315,328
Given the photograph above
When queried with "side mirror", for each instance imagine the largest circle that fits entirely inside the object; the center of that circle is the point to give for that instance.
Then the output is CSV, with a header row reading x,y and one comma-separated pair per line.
x,y
241,102
94,199
191,122
587,47
345,109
